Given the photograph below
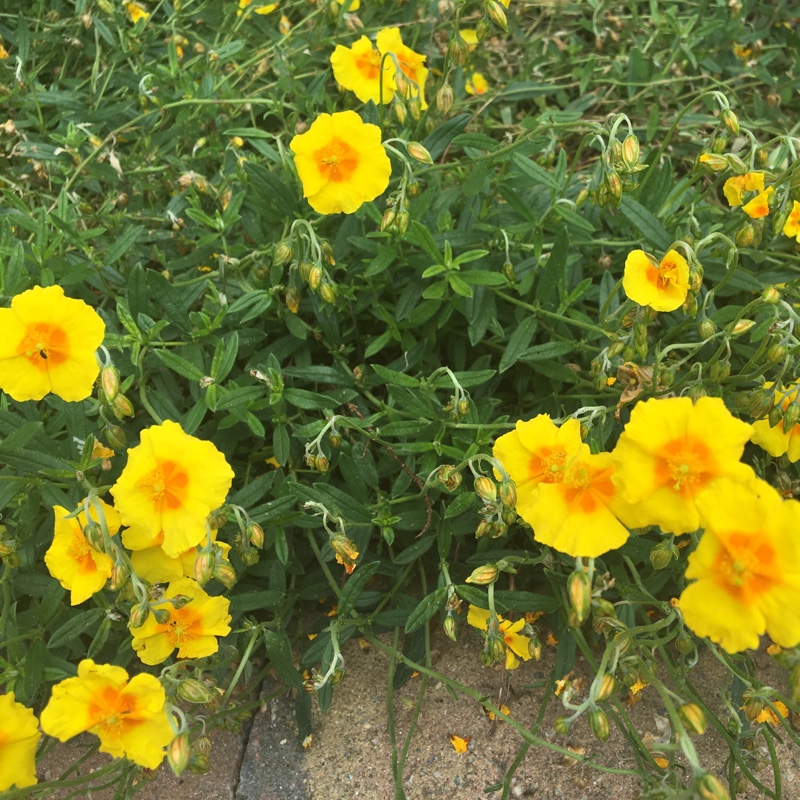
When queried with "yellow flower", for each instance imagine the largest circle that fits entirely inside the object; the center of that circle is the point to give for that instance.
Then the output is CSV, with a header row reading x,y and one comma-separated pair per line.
x,y
19,737
99,450
576,516
193,628
358,69
341,163
470,36
127,715
136,12
746,568
516,645
770,717
3,53
476,84
775,440
151,563
662,286
758,207
48,345
791,227
411,63
353,5
261,10
735,188
460,743
740,51
72,561
171,483
506,3
670,454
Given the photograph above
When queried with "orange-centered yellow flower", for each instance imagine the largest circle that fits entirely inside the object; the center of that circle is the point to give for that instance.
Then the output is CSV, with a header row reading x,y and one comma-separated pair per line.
x,y
171,483
476,84
262,11
72,561
352,5
746,568
736,187
791,227
128,716
516,645
577,515
136,12
192,629
662,286
671,453
776,440
47,345
341,162
411,64
758,207
19,737
358,69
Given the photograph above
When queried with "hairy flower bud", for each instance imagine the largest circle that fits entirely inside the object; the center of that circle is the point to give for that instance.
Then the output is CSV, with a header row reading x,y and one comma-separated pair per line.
x,y
579,590
562,725
630,152
419,152
138,615
93,534
693,718
255,534
606,688
225,574
315,275
598,722
663,553
761,401
486,489
444,99
730,121
115,437
459,52
508,493
483,576
109,380
709,787
328,293
496,13
119,576
193,691
204,567
449,626
122,407
178,753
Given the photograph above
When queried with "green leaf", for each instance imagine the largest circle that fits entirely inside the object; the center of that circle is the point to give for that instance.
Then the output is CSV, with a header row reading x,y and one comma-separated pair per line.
x,y
518,342
525,601
438,139
308,401
533,171
354,586
463,502
75,627
123,243
483,277
426,609
554,269
180,365
225,356
26,460
645,223
540,352
458,285
254,601
419,235
394,378
414,551
280,444
279,652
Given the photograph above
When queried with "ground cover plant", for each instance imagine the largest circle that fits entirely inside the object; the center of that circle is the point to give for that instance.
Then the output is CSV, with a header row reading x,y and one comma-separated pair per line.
x,y
332,319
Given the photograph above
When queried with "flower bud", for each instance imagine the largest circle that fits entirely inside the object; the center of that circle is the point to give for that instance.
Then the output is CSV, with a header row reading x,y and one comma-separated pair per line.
x,y
292,299
193,691
115,437
742,326
662,554
706,329
225,574
496,14
761,401
499,529
199,763
119,576
598,722
791,415
776,353
204,567
315,275
459,52
202,744
344,547
508,493
482,29
93,534
122,407
486,489
449,477
497,650
418,152
715,163
399,109
335,441
752,704
462,407
746,235
606,688
720,370
693,718
449,626
771,295
484,529
579,589
328,293
282,254
415,107
138,615
684,643
614,185
403,218
109,380
389,216
509,272
327,252
562,725
178,753
775,416
534,647
630,152
255,534
162,615
483,576
730,121
444,99
709,787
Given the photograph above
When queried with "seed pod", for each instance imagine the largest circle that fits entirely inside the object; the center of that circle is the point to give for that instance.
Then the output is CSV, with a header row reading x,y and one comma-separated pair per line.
x,y
579,589
449,477
693,718
598,722
483,576
193,691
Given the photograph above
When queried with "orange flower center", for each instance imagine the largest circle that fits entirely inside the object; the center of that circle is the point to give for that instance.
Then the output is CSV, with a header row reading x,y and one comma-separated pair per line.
x,y
185,624
547,466
167,486
80,552
686,466
584,486
44,345
337,160
746,565
369,64
664,276
113,710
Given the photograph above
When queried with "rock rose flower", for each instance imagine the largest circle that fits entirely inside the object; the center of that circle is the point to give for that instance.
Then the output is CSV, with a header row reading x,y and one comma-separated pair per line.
x,y
19,737
516,645
358,69
662,286
47,345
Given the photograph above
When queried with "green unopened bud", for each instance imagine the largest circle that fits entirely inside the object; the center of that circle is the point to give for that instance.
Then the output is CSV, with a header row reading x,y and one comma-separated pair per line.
x,y
598,722
327,252
119,576
329,292
282,254
562,725
714,162
534,647
93,534
771,295
746,235
483,576
122,407
614,185
693,718
402,221
730,121
462,407
496,13
775,416
162,615
736,164
315,275
719,144
138,615
109,380
419,152
202,744
499,529
508,493
761,402
709,787
497,650
199,763
204,567
663,554
776,353
115,437
387,221
684,643
742,326
225,574
630,152
606,688
444,99
193,691
484,529
413,189
752,704
579,589
791,416
415,108
486,489
459,52
720,370
178,753
255,533
509,272
450,627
